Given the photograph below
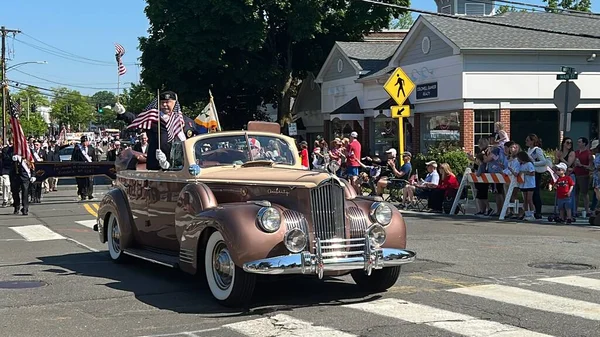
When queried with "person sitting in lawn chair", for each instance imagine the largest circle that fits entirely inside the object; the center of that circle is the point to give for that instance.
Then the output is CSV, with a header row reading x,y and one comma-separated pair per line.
x,y
391,174
372,173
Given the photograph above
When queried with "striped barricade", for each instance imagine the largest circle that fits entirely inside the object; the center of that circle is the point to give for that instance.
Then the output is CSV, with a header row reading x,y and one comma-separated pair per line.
x,y
489,178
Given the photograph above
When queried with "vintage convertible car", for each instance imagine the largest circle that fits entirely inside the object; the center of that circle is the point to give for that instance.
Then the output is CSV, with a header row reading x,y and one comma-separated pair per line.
x,y
237,204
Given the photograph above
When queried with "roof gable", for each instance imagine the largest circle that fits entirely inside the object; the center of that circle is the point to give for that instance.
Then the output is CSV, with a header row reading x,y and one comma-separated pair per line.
x,y
330,60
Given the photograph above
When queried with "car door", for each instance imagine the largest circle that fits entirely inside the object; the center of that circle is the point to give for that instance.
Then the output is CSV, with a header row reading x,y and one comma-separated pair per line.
x,y
161,214
136,194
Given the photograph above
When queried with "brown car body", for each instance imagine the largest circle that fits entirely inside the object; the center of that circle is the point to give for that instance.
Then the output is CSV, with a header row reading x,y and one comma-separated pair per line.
x,y
168,217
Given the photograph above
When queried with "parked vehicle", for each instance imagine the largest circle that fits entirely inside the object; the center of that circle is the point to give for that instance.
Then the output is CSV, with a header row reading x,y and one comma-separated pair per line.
x,y
238,204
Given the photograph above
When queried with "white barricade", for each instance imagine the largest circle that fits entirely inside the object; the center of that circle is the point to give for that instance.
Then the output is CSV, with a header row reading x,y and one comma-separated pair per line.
x,y
489,178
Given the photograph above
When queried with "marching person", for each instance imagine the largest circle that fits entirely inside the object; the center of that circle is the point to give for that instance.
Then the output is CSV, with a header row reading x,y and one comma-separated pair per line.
x,y
39,155
5,166
84,152
142,146
160,157
54,156
21,176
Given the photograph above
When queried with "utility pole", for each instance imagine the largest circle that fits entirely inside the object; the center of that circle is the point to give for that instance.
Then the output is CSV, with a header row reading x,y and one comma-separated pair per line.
x,y
4,83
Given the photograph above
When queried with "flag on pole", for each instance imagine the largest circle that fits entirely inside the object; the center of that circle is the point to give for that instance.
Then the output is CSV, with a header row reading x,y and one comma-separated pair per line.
x,y
174,122
20,146
208,119
119,52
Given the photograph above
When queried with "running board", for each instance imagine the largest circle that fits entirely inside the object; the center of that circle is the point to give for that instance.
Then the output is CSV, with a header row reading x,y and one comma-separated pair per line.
x,y
165,260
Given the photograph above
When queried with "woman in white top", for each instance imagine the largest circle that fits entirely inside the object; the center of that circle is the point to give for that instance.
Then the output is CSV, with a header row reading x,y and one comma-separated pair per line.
x,y
501,135
540,163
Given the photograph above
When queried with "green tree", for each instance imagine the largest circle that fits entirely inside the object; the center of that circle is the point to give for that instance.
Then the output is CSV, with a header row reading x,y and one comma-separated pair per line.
x,y
506,8
137,97
30,96
556,6
108,117
405,21
34,125
248,52
71,108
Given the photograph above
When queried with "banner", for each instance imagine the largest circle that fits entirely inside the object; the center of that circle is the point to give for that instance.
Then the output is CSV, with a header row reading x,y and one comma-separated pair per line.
x,y
44,170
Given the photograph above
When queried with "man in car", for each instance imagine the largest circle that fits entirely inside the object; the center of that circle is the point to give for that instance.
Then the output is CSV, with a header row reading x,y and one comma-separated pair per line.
x,y
160,157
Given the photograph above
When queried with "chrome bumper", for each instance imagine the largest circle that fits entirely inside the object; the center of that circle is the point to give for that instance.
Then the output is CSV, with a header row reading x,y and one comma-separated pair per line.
x,y
331,256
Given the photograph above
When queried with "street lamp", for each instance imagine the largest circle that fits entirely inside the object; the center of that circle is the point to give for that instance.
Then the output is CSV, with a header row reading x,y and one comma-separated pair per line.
x,y
28,62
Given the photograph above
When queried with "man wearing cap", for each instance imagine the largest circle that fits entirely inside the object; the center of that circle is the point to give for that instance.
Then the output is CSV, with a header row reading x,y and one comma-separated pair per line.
x,y
84,152
423,188
112,154
392,172
160,157
353,153
21,176
39,155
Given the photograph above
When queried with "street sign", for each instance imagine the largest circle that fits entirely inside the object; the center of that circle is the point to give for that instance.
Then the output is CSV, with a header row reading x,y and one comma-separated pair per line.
x,y
566,103
399,86
292,129
400,111
567,76
568,70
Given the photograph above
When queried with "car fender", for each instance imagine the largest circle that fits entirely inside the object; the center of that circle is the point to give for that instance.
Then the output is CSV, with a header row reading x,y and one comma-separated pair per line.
x,y
237,223
116,202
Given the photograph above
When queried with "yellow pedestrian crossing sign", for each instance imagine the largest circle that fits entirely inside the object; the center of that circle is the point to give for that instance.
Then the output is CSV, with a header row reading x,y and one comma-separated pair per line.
x,y
400,111
399,86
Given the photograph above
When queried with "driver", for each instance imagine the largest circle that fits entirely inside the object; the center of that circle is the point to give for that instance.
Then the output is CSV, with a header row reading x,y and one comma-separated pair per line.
x,y
169,106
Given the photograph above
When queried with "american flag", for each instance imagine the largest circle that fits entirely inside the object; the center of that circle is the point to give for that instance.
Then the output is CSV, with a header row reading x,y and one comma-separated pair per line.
x,y
119,52
20,145
150,115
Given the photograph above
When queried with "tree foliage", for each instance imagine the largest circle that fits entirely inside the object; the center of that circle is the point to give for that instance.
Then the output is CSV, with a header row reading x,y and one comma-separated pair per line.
x,y
70,108
507,8
137,97
248,52
34,124
405,21
556,6
108,117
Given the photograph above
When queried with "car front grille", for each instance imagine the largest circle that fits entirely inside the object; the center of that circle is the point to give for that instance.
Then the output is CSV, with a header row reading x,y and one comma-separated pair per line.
x,y
327,206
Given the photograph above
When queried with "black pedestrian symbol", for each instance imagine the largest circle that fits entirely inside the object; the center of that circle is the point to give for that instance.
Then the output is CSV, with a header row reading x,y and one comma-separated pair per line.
x,y
400,84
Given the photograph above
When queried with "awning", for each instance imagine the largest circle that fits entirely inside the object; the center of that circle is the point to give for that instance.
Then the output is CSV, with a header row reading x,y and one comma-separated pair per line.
x,y
350,107
389,103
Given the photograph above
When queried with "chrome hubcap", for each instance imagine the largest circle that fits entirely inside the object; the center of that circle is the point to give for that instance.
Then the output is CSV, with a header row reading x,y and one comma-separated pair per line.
x,y
115,236
223,266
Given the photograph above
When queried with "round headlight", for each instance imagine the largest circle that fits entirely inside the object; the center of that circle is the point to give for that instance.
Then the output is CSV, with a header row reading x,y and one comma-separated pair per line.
x,y
377,235
269,219
381,213
295,240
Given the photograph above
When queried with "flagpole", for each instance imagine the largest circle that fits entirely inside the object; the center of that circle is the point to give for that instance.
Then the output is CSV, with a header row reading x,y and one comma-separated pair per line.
x,y
118,81
159,116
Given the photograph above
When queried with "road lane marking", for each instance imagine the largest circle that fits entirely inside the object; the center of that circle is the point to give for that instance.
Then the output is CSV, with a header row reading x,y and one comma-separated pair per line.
x,y
283,326
90,210
533,300
195,333
441,319
96,206
576,281
37,233
87,223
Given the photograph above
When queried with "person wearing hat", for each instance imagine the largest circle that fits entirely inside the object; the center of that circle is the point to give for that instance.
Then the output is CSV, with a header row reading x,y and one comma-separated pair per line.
x,y
84,152
113,153
392,172
21,174
353,154
564,188
159,157
54,156
423,188
35,188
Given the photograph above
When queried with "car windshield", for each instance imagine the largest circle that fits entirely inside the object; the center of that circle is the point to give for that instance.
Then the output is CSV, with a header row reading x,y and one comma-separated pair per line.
x,y
66,151
229,150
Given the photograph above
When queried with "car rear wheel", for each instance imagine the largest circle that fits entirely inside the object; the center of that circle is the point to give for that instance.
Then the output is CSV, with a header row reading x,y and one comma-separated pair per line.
x,y
380,279
229,284
113,236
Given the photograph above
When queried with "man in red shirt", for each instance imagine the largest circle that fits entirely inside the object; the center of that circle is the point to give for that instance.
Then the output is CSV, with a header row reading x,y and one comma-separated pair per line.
x,y
564,187
353,153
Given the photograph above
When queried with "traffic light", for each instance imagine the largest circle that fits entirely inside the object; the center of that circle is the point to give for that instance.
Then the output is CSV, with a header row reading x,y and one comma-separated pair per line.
x,y
99,108
33,107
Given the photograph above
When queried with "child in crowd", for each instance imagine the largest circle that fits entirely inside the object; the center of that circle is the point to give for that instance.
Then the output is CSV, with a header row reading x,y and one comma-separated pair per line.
x,y
512,149
372,177
564,187
528,185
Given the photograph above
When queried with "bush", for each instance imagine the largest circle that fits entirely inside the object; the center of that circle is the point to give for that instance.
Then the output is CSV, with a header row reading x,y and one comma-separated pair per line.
x,y
456,158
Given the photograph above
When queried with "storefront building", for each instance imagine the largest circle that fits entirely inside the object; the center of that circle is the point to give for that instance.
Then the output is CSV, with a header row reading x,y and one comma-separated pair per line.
x,y
469,75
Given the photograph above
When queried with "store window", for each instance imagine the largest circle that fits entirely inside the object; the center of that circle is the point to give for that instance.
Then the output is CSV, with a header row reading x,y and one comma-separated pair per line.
x,y
439,130
385,134
340,129
483,124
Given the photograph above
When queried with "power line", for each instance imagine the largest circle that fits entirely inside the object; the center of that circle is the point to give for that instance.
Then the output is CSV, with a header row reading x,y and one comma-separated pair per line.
x,y
587,15
66,52
546,8
471,19
65,84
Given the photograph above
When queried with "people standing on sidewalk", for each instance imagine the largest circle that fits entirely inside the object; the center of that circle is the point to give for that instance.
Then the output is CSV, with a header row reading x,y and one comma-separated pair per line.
x,y
564,189
566,155
528,186
582,174
540,163
5,165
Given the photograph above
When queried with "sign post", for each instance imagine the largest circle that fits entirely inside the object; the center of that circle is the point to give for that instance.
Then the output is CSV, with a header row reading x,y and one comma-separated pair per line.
x,y
566,98
399,86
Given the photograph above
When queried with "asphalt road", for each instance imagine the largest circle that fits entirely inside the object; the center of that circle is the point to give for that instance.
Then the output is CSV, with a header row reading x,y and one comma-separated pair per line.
x,y
473,278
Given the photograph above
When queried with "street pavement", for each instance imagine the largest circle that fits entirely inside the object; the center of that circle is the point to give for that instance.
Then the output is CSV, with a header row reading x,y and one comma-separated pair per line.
x,y
473,277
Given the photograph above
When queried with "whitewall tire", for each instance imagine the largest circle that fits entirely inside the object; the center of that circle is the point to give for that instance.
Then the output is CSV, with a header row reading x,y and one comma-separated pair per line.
x,y
113,239
229,284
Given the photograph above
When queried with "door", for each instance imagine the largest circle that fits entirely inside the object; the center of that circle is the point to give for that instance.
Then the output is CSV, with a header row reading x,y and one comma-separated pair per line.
x,y
136,194
161,203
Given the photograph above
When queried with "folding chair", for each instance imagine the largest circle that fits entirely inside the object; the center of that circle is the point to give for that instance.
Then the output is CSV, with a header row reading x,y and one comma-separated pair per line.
x,y
395,187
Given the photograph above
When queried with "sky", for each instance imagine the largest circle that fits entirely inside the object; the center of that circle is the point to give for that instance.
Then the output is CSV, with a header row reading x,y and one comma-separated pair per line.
x,y
76,38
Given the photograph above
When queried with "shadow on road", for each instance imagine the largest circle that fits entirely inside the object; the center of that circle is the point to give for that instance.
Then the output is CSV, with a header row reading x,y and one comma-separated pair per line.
x,y
169,289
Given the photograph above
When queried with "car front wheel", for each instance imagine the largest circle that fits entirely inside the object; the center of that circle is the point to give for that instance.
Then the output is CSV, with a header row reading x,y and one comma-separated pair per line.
x,y
380,279
228,283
